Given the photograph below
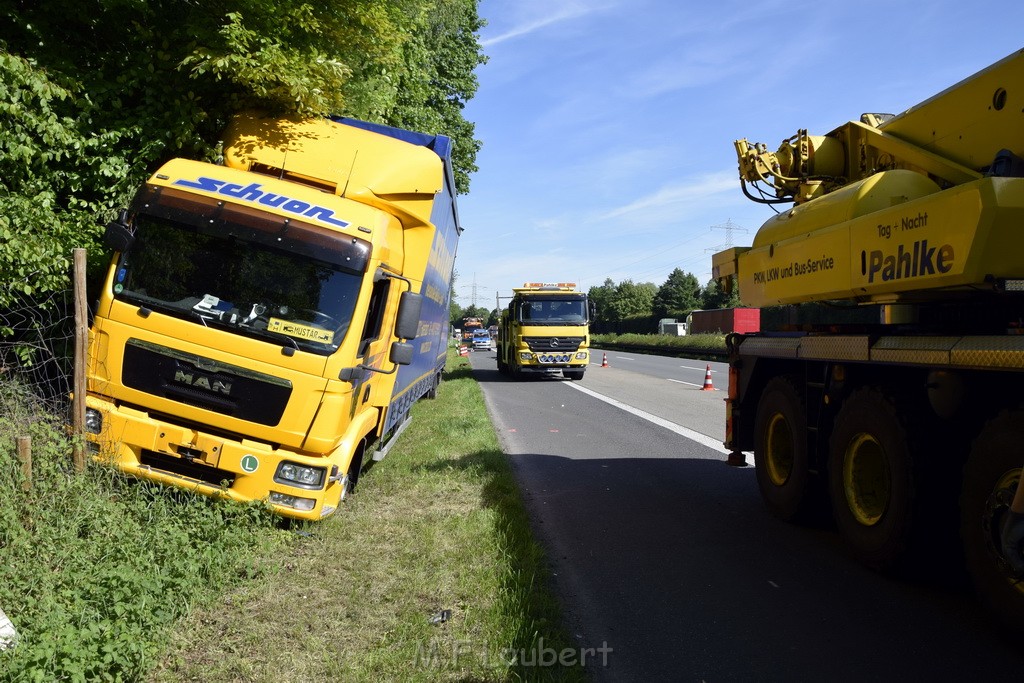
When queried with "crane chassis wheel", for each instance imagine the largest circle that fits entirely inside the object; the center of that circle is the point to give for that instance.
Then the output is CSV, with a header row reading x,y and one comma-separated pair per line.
x,y
990,481
780,449
871,480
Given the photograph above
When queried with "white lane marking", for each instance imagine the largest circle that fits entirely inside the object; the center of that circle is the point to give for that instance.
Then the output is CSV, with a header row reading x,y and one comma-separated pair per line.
x,y
625,358
704,369
672,426
679,381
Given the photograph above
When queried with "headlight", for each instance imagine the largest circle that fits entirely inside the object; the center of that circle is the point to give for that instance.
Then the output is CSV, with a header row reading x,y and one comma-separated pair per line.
x,y
581,355
93,421
294,474
525,355
304,504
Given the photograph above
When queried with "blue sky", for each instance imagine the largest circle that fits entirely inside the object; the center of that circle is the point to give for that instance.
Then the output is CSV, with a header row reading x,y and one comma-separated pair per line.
x,y
608,125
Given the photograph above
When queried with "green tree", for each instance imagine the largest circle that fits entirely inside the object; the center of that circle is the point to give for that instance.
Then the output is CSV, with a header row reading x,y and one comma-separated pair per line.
x,y
715,297
680,294
601,297
442,55
632,299
95,94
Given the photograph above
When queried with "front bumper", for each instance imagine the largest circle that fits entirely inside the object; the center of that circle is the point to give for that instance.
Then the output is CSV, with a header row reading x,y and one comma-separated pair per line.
x,y
542,361
206,463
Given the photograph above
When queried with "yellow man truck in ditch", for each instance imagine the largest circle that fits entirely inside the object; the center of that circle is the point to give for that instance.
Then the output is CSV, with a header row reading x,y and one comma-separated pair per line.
x,y
268,322
545,330
891,390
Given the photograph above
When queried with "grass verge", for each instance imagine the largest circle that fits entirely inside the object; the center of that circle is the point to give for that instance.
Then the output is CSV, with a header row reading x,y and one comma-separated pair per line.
x,y
108,579
95,569
438,525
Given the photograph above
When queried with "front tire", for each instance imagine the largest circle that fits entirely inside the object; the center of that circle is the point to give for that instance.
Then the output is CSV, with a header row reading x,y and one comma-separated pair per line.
x,y
573,375
990,480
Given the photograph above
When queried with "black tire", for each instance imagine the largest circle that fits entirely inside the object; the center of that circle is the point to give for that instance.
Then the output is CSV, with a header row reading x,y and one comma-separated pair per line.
x,y
354,468
990,480
573,375
432,391
780,451
871,480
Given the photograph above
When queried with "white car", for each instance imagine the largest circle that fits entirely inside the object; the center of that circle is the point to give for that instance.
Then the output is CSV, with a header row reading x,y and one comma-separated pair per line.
x,y
481,343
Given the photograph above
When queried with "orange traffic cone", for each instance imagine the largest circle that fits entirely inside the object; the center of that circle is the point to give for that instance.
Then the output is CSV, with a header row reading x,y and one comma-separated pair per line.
x,y
708,386
604,361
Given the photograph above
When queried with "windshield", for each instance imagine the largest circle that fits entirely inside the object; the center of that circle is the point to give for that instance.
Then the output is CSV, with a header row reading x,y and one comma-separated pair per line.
x,y
554,311
235,269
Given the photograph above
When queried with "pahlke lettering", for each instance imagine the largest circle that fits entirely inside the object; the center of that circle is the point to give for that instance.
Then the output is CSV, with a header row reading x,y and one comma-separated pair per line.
x,y
917,261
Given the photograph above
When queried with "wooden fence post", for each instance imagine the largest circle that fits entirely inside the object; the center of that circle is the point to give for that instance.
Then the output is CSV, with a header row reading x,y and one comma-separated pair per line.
x,y
25,458
81,348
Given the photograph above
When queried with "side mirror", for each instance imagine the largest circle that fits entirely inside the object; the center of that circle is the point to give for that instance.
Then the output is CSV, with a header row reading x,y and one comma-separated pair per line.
x,y
354,374
118,236
410,306
401,353
592,307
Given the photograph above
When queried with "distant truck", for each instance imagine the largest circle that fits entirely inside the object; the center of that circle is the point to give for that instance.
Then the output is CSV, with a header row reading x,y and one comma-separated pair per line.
x,y
724,321
266,324
671,327
545,329
470,326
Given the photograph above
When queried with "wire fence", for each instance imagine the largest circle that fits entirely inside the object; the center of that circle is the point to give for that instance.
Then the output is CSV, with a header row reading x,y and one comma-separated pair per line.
x,y
37,345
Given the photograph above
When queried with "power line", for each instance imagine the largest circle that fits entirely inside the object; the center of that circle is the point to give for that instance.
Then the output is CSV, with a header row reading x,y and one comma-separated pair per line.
x,y
729,227
473,292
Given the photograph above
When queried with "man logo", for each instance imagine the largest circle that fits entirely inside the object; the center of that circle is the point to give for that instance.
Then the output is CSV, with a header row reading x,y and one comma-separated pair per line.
x,y
198,381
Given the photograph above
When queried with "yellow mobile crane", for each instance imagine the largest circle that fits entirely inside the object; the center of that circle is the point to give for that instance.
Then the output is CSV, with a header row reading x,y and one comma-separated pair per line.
x,y
891,393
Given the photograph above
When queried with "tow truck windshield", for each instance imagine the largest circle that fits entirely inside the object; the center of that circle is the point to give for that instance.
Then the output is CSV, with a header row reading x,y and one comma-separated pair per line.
x,y
551,311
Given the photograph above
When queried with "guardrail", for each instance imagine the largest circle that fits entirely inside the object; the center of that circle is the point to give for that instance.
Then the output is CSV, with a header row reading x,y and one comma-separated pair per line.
x,y
653,349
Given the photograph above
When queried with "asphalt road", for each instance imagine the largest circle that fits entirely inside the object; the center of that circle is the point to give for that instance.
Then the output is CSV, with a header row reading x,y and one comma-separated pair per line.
x,y
668,566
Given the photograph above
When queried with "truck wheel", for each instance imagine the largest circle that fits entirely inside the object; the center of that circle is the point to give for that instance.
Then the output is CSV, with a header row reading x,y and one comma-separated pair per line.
x,y
352,478
871,479
432,391
573,374
990,480
780,451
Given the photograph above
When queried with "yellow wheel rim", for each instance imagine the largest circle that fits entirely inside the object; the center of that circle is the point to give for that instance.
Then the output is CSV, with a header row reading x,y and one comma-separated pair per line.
x,y
866,479
778,450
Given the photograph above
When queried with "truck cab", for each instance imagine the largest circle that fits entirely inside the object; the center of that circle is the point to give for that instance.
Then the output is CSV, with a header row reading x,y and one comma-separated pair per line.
x,y
545,330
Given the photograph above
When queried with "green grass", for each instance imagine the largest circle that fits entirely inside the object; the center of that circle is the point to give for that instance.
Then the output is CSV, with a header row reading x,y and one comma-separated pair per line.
x,y
94,568
218,592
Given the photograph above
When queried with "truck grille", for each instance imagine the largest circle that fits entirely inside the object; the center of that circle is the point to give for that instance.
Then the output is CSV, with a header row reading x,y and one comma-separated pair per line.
x,y
186,468
196,381
554,344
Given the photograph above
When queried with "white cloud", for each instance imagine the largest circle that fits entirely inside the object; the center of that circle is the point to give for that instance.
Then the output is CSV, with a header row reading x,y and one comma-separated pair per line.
x,y
691,190
559,12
